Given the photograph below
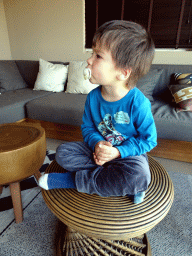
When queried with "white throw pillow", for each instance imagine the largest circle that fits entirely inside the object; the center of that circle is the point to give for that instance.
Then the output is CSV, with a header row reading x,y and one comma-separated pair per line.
x,y
76,82
51,77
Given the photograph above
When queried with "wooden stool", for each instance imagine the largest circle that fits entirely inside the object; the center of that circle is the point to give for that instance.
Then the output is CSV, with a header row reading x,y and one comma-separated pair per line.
x,y
97,225
22,153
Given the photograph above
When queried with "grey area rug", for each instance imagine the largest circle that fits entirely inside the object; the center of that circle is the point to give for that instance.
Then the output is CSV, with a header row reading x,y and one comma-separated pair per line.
x,y
36,235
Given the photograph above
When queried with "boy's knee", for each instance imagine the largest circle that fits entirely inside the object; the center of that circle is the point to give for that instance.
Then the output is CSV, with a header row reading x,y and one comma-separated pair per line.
x,y
60,153
58,158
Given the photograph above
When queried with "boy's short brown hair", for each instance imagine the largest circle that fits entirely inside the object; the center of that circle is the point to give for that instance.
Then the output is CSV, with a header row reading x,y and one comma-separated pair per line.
x,y
130,44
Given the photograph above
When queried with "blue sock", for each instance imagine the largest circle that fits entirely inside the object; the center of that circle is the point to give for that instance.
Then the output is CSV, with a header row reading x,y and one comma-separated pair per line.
x,y
138,198
57,180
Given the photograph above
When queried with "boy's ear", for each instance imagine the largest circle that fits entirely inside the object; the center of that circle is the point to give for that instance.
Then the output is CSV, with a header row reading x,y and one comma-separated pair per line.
x,y
125,73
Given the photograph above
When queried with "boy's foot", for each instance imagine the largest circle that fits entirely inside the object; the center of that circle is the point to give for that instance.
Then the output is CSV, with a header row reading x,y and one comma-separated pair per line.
x,y
57,180
138,198
42,182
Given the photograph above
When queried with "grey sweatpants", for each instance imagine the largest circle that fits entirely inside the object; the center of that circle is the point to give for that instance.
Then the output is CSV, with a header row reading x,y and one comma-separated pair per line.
x,y
119,177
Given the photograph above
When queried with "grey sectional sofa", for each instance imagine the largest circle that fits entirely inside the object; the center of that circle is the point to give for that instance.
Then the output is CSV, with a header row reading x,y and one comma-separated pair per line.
x,y
61,113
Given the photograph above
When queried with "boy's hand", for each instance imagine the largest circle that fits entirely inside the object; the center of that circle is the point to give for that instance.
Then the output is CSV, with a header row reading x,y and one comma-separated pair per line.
x,y
105,152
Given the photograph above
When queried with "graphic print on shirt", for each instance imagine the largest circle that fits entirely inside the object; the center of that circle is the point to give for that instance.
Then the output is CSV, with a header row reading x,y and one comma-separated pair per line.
x,y
122,117
107,129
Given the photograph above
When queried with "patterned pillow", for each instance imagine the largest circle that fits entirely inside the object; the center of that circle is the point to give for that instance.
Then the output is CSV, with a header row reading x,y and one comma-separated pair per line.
x,y
182,91
183,78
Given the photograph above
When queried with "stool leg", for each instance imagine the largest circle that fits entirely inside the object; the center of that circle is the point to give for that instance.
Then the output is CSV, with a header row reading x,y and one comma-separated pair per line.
x,y
17,203
1,189
71,242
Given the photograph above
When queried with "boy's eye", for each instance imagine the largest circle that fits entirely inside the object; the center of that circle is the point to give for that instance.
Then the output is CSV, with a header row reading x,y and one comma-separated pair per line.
x,y
98,56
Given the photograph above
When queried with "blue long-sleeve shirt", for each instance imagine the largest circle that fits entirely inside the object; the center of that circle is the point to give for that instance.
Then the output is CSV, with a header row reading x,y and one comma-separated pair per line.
x,y
127,123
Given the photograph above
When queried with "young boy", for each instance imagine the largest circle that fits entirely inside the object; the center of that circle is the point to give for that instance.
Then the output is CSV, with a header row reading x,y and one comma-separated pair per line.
x,y
118,127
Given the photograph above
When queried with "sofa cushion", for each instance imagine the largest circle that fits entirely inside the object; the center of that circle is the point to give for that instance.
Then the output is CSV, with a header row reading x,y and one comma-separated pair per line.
x,y
76,82
170,124
173,130
12,104
51,77
10,78
59,108
148,82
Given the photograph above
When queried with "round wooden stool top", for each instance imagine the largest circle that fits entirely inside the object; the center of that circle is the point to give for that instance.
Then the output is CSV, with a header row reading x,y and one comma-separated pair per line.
x,y
112,217
22,151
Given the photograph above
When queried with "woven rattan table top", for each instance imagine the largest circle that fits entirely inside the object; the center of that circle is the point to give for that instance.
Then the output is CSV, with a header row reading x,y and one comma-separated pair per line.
x,y
112,217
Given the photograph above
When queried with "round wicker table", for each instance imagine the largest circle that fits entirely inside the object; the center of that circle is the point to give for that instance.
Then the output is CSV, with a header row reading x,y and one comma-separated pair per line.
x,y
94,225
22,153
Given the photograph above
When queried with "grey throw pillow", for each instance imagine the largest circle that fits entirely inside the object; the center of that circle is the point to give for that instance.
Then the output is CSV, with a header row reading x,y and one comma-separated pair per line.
x,y
2,89
10,78
148,82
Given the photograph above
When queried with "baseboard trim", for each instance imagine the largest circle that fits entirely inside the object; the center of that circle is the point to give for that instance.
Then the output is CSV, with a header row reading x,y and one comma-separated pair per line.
x,y
170,149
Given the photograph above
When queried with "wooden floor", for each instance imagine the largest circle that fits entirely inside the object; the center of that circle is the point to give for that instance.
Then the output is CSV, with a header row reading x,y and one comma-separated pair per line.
x,y
170,149
173,149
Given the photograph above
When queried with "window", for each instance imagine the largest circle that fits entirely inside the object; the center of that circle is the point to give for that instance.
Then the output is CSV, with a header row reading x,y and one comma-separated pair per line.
x,y
169,21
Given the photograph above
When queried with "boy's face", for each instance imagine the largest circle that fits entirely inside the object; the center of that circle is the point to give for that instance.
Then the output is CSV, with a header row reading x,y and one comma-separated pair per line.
x,y
103,69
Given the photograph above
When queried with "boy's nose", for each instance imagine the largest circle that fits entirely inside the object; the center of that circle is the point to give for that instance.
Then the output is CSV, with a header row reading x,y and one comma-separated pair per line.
x,y
89,61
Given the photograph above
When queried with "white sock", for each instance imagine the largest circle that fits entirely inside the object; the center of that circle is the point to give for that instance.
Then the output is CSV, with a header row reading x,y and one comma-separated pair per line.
x,y
43,181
